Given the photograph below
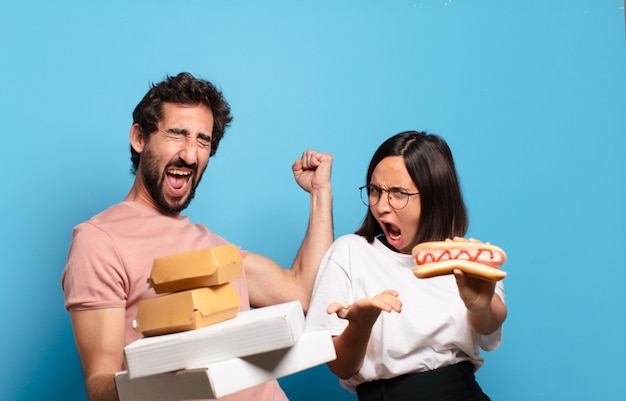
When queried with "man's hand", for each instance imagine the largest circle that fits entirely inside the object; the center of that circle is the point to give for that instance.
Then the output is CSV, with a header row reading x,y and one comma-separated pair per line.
x,y
313,170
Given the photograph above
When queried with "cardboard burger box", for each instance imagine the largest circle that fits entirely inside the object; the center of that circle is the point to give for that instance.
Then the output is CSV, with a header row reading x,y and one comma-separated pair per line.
x,y
200,293
187,310
201,268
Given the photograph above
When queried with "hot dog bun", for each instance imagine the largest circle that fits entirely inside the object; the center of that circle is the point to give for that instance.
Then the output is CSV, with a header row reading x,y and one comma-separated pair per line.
x,y
474,258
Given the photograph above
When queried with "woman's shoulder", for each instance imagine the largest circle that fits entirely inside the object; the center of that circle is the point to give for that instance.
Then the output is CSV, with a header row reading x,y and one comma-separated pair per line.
x,y
350,240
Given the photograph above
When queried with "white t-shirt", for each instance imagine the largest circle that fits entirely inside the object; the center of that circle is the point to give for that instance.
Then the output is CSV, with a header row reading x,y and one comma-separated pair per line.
x,y
432,330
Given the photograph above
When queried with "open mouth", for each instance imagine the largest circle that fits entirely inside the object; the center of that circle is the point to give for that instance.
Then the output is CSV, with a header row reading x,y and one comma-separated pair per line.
x,y
178,179
393,232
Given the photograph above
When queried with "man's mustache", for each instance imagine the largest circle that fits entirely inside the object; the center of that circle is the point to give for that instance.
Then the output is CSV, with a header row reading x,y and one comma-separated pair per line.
x,y
179,163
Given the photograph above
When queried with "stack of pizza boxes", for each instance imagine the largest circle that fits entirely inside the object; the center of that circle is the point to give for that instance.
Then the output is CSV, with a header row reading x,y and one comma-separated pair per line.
x,y
197,291
197,345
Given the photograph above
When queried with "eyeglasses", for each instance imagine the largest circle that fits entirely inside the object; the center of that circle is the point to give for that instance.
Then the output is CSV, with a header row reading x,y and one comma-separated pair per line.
x,y
398,197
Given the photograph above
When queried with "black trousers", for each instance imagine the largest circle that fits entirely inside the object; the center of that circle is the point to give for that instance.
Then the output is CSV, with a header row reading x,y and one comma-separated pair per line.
x,y
450,383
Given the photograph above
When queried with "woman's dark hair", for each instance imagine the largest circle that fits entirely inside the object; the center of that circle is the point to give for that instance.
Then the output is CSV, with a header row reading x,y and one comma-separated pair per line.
x,y
430,164
184,88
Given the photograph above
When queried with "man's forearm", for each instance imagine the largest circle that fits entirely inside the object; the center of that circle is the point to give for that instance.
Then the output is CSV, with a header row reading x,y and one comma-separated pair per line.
x,y
101,387
319,236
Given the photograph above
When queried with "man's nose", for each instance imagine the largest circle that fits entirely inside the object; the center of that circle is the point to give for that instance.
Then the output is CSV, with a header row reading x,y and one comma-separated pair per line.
x,y
189,153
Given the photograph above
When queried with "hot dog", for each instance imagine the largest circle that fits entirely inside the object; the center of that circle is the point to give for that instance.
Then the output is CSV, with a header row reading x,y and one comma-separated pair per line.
x,y
474,258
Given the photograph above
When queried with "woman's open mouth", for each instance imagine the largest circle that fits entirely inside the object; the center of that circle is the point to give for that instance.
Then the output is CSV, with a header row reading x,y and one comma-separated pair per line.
x,y
393,234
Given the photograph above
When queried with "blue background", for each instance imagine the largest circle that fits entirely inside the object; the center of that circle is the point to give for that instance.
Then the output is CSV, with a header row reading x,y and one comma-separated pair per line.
x,y
530,95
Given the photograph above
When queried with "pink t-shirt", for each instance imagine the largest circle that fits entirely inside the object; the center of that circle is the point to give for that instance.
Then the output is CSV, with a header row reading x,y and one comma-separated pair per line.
x,y
111,256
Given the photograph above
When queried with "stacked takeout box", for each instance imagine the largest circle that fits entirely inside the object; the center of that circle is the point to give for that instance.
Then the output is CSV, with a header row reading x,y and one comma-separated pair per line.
x,y
197,345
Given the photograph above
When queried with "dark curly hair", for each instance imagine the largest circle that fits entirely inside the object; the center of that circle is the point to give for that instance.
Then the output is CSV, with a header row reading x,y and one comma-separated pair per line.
x,y
184,88
430,164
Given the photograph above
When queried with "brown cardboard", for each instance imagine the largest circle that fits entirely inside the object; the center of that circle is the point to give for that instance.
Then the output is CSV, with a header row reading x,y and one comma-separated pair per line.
x,y
187,310
195,269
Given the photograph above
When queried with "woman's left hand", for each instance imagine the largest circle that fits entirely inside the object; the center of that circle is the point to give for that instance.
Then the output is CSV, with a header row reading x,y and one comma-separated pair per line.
x,y
486,311
475,293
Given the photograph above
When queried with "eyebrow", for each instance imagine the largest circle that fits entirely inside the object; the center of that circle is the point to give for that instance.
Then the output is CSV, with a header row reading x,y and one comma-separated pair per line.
x,y
204,136
186,132
401,189
177,131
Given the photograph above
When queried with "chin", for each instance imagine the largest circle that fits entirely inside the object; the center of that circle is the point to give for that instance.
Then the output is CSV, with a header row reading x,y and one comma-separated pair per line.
x,y
404,248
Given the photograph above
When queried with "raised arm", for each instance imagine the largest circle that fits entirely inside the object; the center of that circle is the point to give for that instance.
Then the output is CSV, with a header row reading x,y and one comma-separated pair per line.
x,y
268,283
99,336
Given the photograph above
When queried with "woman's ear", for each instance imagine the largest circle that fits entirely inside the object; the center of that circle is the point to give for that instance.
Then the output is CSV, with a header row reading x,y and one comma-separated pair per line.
x,y
137,139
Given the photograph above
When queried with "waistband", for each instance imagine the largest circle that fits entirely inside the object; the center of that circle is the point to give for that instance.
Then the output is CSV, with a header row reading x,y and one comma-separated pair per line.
x,y
453,382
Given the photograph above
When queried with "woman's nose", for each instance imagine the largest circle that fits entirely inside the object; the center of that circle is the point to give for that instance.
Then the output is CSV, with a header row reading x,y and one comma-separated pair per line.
x,y
383,203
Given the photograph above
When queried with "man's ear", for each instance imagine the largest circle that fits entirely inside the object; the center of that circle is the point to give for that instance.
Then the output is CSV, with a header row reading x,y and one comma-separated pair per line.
x,y
137,138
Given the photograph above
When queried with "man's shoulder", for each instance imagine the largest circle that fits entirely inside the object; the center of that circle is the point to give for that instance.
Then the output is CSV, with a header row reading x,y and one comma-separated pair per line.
x,y
122,210
136,221
125,213
111,214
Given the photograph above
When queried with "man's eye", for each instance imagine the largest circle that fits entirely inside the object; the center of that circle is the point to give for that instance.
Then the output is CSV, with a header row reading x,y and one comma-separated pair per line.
x,y
204,141
175,135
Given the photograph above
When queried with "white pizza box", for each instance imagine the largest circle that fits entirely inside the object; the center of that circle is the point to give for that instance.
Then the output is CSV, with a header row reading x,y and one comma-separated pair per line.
x,y
218,379
251,332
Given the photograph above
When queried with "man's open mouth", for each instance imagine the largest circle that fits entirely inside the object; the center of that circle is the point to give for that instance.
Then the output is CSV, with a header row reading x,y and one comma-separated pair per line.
x,y
178,179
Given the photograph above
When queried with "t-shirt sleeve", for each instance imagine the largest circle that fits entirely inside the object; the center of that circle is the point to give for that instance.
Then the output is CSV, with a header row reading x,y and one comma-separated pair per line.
x,y
94,276
332,284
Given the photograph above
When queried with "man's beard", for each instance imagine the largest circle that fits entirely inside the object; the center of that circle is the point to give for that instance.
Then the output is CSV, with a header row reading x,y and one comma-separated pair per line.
x,y
154,183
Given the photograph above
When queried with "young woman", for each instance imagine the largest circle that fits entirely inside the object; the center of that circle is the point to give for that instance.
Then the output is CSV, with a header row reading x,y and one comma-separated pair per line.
x,y
426,346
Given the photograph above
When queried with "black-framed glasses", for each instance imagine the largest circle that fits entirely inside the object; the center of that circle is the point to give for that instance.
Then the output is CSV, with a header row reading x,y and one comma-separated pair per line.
x,y
398,197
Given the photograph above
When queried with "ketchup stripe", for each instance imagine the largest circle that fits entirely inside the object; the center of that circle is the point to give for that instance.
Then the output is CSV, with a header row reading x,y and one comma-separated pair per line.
x,y
433,259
